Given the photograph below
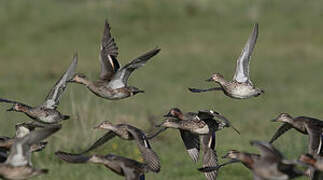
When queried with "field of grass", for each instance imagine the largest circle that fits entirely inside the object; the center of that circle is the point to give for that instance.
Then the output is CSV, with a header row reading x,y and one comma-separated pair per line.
x,y
197,38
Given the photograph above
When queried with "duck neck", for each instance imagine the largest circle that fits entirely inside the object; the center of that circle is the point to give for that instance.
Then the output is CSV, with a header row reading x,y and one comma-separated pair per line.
x,y
221,81
246,159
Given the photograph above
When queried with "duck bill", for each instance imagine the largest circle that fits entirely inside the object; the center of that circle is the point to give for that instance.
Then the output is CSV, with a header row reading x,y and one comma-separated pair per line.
x,y
11,109
97,127
168,115
225,156
274,120
209,80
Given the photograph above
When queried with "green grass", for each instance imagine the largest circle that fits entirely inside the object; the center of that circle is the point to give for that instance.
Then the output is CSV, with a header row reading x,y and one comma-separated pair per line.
x,y
197,38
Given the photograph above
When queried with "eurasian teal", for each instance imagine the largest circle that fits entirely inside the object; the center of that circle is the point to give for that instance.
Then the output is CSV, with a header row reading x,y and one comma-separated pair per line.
x,y
18,164
269,165
129,168
314,162
241,86
113,80
46,112
305,125
128,132
22,129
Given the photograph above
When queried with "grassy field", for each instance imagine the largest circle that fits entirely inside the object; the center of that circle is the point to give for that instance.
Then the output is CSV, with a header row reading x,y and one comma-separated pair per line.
x,y
197,38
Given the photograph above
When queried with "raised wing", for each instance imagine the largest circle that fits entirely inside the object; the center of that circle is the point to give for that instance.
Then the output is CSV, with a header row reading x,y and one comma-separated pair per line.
x,y
280,131
268,152
242,69
192,144
108,54
52,99
20,153
105,138
120,79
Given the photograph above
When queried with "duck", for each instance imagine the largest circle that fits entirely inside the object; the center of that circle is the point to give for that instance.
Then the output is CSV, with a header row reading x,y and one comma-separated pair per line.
x,y
128,132
18,165
47,112
315,162
129,168
22,129
241,86
113,80
202,118
270,164
303,124
193,126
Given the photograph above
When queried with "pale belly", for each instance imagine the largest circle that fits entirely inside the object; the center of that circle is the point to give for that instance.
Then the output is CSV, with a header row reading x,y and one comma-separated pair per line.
x,y
242,92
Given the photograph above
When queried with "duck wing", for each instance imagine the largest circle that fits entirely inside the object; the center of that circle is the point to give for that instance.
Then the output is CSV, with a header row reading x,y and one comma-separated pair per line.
x,y
20,154
192,144
72,158
268,152
108,54
121,77
52,99
280,131
102,140
195,90
149,156
210,158
242,68
315,138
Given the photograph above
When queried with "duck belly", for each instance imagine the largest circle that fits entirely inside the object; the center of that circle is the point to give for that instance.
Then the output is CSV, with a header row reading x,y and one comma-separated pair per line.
x,y
242,92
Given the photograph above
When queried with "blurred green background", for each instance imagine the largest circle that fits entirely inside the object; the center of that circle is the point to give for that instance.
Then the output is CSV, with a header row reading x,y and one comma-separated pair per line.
x,y
197,38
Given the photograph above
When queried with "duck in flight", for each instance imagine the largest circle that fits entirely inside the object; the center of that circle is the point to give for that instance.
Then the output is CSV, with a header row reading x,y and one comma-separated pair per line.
x,y
128,132
46,113
113,80
305,125
129,168
18,164
241,86
270,164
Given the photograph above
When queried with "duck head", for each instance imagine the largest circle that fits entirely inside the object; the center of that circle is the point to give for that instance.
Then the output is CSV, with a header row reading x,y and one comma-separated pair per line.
x,y
232,154
283,117
18,108
174,112
104,125
79,78
216,77
169,123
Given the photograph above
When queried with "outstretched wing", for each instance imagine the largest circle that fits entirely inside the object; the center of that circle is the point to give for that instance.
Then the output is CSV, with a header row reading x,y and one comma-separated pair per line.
x,y
120,79
242,68
108,54
20,154
105,138
72,158
268,152
52,99
280,131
